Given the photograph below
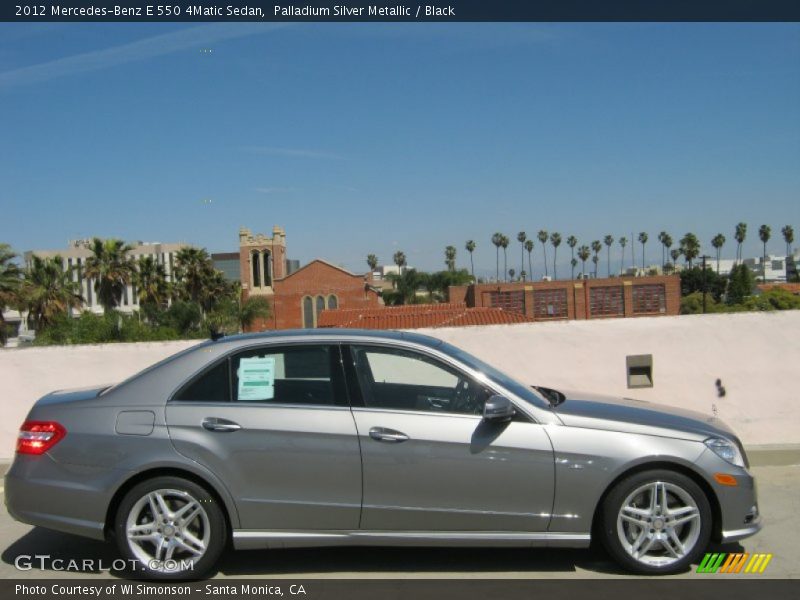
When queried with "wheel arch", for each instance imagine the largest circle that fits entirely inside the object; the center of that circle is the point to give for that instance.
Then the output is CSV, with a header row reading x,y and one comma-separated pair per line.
x,y
228,508
713,501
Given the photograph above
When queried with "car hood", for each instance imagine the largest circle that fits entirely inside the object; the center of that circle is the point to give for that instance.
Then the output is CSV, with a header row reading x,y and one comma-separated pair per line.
x,y
637,416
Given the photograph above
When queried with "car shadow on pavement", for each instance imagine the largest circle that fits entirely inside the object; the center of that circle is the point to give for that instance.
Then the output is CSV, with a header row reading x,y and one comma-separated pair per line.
x,y
90,556
376,561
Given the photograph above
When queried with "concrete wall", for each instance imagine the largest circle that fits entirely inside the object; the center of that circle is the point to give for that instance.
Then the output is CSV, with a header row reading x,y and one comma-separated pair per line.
x,y
755,354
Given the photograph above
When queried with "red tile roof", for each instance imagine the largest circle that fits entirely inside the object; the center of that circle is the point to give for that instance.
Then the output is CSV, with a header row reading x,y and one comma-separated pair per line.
x,y
415,316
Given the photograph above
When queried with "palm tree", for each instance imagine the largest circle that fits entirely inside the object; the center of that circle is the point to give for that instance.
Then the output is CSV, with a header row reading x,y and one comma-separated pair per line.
x,y
470,247
572,241
740,235
216,289
193,270
255,307
497,240
372,262
690,247
450,258
675,254
504,245
521,237
764,233
511,273
596,247
623,241
400,260
608,241
788,237
718,241
542,235
643,241
10,282
666,242
555,239
150,279
583,254
111,269
529,248
48,291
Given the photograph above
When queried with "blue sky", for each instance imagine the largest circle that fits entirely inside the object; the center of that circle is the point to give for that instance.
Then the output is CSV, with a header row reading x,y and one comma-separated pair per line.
x,y
362,138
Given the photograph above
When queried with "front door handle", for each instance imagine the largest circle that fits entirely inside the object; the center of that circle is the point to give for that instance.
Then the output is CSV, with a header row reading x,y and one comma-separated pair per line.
x,y
382,434
220,425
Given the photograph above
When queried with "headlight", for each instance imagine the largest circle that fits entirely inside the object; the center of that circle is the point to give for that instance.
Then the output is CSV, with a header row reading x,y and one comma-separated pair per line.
x,y
726,450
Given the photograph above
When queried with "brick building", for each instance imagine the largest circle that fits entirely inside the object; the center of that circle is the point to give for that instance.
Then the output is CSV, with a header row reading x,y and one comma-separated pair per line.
x,y
581,299
298,298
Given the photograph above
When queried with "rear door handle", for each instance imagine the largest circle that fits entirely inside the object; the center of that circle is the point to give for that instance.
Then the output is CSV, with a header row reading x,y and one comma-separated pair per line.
x,y
382,434
220,425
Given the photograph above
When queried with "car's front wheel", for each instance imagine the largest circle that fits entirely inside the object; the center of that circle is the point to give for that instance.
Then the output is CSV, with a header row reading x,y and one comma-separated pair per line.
x,y
170,528
656,522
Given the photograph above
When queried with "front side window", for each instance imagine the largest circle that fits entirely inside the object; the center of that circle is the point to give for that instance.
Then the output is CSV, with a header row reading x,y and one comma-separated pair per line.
x,y
399,379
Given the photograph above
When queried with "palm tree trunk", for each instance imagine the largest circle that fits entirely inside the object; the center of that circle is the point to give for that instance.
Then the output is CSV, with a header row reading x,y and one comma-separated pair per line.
x,y
608,261
530,267
471,265
544,249
555,257
497,261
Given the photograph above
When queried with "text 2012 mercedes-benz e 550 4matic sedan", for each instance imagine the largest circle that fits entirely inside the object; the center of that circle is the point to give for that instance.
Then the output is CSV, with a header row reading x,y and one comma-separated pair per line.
x,y
346,437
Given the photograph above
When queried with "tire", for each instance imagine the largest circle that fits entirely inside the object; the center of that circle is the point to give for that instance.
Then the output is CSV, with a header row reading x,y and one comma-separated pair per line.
x,y
645,539
170,519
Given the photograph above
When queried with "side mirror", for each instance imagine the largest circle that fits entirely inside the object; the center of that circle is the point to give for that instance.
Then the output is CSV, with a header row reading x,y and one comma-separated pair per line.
x,y
498,409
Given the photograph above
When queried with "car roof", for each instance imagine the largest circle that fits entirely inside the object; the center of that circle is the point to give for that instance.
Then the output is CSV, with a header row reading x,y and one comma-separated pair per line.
x,y
332,334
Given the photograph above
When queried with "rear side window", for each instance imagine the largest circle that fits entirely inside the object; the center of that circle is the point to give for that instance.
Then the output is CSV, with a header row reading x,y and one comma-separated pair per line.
x,y
287,375
303,374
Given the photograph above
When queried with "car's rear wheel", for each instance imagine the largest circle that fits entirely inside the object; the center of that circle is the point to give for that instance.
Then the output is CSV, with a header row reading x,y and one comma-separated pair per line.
x,y
170,528
656,522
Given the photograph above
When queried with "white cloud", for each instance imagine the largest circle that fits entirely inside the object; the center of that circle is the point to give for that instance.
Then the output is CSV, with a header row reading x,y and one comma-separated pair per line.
x,y
144,49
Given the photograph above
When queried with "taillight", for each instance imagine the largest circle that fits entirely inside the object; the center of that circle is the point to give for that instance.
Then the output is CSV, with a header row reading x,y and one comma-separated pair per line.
x,y
37,437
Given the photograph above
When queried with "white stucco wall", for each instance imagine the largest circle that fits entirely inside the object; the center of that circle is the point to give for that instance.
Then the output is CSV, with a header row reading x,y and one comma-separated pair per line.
x,y
756,355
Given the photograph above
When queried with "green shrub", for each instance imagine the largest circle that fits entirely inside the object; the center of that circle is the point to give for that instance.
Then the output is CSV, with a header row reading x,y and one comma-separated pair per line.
x,y
692,304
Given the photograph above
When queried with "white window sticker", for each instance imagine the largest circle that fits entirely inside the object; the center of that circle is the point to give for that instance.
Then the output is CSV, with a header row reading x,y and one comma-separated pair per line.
x,y
257,378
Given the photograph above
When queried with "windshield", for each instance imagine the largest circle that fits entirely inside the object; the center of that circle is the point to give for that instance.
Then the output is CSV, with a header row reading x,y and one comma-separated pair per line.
x,y
520,390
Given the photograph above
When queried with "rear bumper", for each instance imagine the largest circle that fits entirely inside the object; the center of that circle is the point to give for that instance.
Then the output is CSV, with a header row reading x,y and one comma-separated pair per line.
x,y
67,498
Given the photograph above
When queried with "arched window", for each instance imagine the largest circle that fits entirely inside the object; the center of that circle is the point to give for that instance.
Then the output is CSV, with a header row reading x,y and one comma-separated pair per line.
x,y
267,268
333,302
256,264
320,306
308,312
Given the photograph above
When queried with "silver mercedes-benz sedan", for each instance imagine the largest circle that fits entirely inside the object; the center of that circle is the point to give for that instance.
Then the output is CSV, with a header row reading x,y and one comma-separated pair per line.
x,y
345,437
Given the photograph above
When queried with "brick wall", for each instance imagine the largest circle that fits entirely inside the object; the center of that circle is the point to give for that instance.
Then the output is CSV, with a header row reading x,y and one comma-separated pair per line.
x,y
318,278
579,299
